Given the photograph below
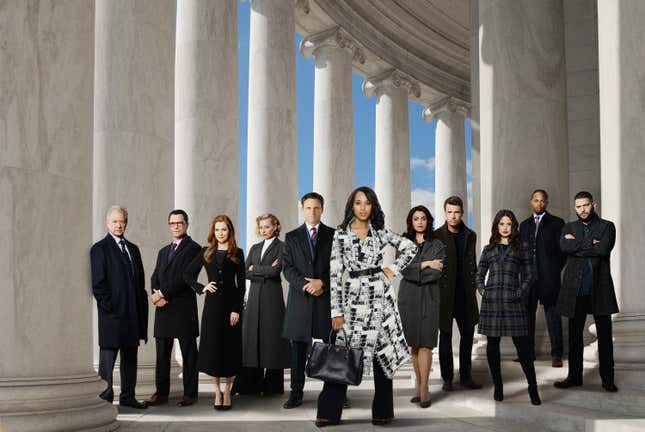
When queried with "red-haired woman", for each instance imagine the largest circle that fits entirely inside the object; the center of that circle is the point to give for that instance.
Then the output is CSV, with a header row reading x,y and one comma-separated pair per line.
x,y
220,346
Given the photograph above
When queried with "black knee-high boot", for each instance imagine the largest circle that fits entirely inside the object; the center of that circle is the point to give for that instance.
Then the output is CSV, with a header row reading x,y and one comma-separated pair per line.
x,y
493,356
522,345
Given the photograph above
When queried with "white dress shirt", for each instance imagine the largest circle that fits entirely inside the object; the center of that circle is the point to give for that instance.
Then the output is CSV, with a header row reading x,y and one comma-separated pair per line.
x,y
265,246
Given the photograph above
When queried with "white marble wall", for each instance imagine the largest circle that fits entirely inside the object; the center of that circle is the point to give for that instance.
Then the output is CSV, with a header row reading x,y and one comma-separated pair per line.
x,y
206,112
622,145
581,49
272,156
46,77
134,130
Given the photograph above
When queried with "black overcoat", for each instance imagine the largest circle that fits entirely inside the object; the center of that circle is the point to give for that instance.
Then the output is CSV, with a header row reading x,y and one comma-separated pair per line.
x,y
505,292
263,344
307,316
120,294
546,257
448,279
220,344
178,319
603,296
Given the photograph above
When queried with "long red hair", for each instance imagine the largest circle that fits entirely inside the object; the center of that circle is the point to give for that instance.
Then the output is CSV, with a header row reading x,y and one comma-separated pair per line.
x,y
213,243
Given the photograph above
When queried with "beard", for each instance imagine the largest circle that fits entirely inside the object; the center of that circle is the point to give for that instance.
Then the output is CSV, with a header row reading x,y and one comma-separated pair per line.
x,y
588,217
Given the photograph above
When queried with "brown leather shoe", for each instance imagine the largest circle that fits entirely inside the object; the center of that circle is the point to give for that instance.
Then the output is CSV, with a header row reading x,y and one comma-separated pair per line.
x,y
157,399
556,362
186,401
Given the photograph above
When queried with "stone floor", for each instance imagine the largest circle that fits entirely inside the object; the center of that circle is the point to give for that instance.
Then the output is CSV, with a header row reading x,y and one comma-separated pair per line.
x,y
585,410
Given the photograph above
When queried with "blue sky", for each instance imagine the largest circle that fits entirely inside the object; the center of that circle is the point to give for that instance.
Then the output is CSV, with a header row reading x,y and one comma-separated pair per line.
x,y
421,133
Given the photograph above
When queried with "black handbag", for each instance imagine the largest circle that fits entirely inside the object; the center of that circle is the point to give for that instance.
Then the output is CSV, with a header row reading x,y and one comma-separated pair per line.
x,y
335,363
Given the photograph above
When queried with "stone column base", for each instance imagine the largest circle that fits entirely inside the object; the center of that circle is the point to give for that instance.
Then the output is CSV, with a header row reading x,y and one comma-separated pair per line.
x,y
67,403
629,349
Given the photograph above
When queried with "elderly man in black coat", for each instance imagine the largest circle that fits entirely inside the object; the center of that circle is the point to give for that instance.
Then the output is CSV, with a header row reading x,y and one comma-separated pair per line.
x,y
587,288
305,264
119,288
541,231
175,311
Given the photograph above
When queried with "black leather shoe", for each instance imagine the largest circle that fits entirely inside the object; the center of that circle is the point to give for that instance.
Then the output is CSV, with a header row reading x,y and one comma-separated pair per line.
x,y
292,402
447,386
320,422
534,395
107,398
567,383
470,384
382,422
610,387
134,404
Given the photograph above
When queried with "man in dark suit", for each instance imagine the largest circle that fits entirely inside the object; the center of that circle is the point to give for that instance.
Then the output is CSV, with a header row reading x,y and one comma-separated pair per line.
x,y
176,311
305,264
119,288
457,288
541,231
587,288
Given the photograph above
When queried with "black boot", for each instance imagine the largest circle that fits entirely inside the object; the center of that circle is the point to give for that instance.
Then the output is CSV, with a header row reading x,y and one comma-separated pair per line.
x,y
498,394
534,395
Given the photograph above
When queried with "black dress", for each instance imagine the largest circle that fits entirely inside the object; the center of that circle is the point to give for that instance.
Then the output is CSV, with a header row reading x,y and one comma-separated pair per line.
x,y
220,345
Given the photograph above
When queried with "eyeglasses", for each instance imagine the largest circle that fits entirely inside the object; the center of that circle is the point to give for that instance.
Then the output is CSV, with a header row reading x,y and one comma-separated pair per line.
x,y
182,223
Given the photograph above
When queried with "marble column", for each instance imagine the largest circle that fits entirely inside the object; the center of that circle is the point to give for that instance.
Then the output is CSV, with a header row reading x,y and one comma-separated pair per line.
x,y
392,159
47,66
523,112
474,123
272,155
334,51
622,133
133,133
450,153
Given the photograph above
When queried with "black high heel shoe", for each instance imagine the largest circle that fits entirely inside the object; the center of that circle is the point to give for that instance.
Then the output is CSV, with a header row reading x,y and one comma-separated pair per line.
x,y
498,394
534,395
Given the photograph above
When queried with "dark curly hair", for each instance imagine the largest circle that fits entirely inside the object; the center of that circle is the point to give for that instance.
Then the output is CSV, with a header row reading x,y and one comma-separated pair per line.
x,y
377,218
514,240
411,233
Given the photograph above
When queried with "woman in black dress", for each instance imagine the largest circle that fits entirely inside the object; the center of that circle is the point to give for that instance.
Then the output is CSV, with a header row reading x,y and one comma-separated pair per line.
x,y
266,354
503,312
220,345
418,298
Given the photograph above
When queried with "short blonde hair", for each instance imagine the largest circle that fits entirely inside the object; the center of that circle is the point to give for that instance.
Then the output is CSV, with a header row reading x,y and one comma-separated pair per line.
x,y
274,221
117,208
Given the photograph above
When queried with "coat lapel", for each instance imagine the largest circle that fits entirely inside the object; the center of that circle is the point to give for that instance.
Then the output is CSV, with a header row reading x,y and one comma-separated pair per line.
x,y
267,252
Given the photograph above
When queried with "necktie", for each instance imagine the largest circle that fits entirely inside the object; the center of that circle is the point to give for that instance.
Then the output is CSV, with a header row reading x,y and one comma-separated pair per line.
x,y
537,223
125,253
173,250
314,237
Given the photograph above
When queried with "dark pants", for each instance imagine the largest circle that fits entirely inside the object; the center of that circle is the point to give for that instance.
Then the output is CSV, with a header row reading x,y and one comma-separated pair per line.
x,y
127,367
576,343
553,325
299,351
253,380
523,352
162,370
332,397
466,333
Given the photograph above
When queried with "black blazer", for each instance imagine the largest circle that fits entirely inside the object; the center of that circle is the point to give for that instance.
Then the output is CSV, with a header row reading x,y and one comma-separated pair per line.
x,y
547,260
178,319
603,297
120,294
307,316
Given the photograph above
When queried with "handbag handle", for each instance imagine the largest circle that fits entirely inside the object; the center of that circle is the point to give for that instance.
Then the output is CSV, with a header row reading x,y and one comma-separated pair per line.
x,y
334,333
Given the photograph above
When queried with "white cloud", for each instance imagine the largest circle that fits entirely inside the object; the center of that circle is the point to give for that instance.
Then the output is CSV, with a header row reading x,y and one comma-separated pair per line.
x,y
423,197
426,164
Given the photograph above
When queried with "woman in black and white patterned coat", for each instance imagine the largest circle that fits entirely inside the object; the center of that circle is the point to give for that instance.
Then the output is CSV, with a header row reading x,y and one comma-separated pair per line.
x,y
364,303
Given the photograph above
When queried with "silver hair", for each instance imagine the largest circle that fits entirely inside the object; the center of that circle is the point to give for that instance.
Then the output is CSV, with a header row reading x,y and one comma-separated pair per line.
x,y
117,208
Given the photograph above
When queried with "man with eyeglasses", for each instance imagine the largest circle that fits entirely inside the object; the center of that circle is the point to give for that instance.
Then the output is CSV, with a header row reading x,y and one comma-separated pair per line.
x,y
175,311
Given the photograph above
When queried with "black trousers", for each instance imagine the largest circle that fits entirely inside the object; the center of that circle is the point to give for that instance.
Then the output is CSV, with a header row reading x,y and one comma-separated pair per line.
x,y
576,343
553,325
253,380
466,334
333,396
162,369
299,351
523,352
127,367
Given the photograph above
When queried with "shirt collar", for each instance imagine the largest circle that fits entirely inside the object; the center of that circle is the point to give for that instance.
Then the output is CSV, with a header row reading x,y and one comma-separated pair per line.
x,y
178,242
269,241
116,239
309,227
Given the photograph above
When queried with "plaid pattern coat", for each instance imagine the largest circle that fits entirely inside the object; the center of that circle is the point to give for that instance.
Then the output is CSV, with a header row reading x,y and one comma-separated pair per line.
x,y
504,293
368,303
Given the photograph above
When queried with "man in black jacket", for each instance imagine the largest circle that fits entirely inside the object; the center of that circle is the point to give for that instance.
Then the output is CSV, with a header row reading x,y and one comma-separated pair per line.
x,y
119,288
458,300
587,288
175,311
541,231
305,265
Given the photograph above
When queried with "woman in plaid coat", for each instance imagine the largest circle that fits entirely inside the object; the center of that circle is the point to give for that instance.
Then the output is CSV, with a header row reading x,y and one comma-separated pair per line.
x,y
503,313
